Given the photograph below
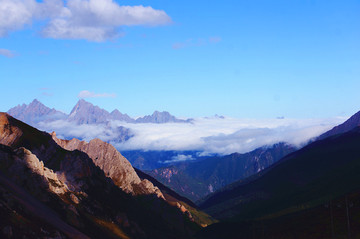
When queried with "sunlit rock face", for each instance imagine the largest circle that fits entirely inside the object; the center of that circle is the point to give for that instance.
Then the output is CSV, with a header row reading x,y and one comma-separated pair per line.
x,y
114,165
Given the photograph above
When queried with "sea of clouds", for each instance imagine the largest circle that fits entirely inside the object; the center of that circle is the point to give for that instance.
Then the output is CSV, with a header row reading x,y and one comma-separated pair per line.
x,y
210,135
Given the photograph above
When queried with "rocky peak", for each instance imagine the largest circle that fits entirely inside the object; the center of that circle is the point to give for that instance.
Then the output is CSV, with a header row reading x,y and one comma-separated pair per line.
x,y
35,112
86,113
117,115
160,117
81,105
36,103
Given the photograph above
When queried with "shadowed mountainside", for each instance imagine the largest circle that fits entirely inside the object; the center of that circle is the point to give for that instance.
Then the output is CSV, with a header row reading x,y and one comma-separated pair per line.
x,y
352,122
196,179
294,192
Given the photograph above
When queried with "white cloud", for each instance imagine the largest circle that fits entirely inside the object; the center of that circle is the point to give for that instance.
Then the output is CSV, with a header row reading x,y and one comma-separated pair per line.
x,y
7,53
209,135
224,136
189,43
93,20
179,158
65,130
99,20
88,94
15,14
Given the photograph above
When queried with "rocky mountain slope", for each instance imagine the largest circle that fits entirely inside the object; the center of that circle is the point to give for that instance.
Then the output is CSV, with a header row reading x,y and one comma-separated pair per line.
x,y
196,179
46,189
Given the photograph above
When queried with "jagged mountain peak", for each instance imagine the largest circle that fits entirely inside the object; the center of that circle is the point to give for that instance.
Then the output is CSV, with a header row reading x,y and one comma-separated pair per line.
x,y
82,105
86,113
35,112
117,115
162,113
36,102
160,117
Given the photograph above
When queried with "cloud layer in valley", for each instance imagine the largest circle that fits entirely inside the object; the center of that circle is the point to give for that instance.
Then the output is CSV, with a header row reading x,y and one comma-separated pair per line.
x,y
93,20
210,135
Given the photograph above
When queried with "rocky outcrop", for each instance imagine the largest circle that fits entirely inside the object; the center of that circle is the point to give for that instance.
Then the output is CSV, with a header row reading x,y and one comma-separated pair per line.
x,y
26,190
114,165
9,133
72,168
26,161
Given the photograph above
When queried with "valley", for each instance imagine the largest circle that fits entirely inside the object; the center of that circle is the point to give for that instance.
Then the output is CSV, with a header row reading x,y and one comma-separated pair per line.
x,y
210,196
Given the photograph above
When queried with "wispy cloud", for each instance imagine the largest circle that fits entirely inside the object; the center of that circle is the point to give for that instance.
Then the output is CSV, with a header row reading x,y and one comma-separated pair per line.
x,y
88,94
92,20
215,39
46,91
178,45
196,42
7,53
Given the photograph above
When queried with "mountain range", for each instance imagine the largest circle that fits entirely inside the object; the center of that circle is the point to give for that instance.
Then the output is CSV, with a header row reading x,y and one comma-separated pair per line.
x,y
195,179
72,189
85,113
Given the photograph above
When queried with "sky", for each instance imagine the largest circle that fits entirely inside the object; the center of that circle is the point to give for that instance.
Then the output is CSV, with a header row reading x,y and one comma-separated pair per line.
x,y
244,59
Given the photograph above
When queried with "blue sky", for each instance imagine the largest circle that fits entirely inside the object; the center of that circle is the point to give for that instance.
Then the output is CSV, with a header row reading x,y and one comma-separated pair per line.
x,y
246,59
